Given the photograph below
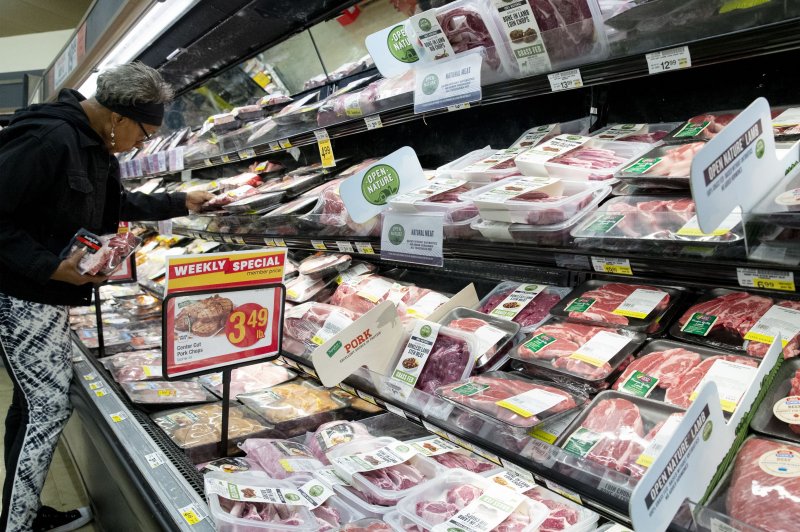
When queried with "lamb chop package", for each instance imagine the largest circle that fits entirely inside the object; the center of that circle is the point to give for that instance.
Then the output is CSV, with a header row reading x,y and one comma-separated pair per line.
x,y
631,306
324,264
312,324
508,397
672,372
334,513
574,352
156,393
777,414
665,166
366,292
280,458
101,254
527,304
440,195
248,379
460,496
382,470
741,321
762,485
651,134
621,434
701,127
654,219
493,335
534,200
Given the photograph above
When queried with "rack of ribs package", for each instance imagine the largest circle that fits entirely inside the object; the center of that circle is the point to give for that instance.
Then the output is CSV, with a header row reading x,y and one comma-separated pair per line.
x,y
102,254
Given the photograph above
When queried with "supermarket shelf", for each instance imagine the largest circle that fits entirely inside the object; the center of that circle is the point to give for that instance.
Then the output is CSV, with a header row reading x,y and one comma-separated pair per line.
x,y
769,39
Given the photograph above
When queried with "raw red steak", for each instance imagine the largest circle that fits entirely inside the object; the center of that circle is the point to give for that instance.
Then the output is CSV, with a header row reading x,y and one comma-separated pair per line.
x,y
610,296
736,312
304,321
582,369
568,338
758,498
533,313
669,367
792,349
620,424
561,516
679,395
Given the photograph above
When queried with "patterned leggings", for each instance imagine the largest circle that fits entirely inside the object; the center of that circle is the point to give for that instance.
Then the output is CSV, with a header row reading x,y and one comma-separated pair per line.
x,y
36,351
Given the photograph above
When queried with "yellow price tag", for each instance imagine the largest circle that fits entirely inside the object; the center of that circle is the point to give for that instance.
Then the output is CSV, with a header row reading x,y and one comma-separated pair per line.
x,y
774,284
95,385
618,269
365,248
317,340
514,408
166,393
262,79
292,294
326,153
100,393
226,159
285,144
629,314
540,434
589,360
191,516
319,244
763,338
119,416
645,460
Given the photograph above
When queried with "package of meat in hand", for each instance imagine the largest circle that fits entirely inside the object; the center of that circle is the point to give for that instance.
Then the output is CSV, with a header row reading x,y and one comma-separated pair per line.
x,y
463,26
701,127
256,512
280,458
673,372
451,455
762,486
741,321
493,335
431,356
440,195
534,200
294,185
229,197
588,354
159,393
527,304
778,415
101,254
382,470
664,166
324,264
631,306
513,399
256,204
226,184
460,496
313,324
622,434
655,219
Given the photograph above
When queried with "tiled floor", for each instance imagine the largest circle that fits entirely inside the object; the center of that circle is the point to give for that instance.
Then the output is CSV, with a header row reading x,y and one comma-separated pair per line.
x,y
63,489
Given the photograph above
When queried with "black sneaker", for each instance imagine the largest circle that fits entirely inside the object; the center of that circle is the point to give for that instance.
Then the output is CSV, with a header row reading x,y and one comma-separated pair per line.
x,y
51,520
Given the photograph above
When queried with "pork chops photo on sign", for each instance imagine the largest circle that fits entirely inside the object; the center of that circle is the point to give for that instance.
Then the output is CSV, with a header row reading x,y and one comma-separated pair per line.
x,y
205,317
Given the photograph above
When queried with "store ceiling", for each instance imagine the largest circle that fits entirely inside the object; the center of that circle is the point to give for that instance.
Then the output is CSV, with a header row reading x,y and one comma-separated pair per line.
x,y
18,17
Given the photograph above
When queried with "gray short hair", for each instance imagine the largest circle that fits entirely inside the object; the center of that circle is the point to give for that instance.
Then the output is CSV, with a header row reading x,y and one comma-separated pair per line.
x,y
131,84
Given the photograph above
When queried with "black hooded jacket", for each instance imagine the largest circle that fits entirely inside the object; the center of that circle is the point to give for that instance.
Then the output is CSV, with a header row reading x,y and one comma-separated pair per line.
x,y
56,177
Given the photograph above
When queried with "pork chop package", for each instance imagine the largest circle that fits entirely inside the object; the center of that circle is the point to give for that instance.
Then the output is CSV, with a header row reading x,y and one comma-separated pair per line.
x,y
451,455
329,435
101,254
298,406
249,379
431,356
469,167
701,127
312,324
577,157
303,288
331,217
324,264
370,524
534,200
226,198
762,486
197,430
655,219
155,393
651,134
440,195
574,352
145,370
256,514
664,166
512,399
365,293
493,335
467,26
334,512
618,436
527,304
382,470
131,358
738,320
280,458
671,372
777,414
631,306
457,495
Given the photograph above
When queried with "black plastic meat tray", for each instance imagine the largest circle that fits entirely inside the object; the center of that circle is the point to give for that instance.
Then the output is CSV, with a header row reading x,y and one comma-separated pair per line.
x,y
764,421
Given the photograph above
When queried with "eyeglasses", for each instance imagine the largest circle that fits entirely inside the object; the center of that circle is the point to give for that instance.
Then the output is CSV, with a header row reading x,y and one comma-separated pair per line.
x,y
147,136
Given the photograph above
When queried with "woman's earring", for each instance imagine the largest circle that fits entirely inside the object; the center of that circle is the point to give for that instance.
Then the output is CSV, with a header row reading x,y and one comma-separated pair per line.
x,y
113,142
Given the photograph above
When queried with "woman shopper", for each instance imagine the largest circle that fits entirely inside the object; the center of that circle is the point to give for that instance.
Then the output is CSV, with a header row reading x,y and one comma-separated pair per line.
x,y
58,174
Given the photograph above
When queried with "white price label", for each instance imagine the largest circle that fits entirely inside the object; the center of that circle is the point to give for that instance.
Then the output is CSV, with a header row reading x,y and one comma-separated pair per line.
x,y
373,122
610,265
274,146
777,320
191,514
344,247
319,244
249,153
767,279
666,60
365,248
119,416
321,134
458,107
562,81
154,459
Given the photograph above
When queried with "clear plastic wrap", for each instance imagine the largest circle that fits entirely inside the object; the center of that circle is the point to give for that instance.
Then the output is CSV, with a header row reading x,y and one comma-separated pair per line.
x,y
102,254
324,264
249,379
380,95
280,458
329,435
667,166
369,524
166,393
313,324
331,217
255,204
455,458
303,288
226,198
508,301
493,335
294,185
651,134
563,514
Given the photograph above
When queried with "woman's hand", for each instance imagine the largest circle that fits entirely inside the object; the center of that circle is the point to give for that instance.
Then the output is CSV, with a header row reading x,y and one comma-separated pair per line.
x,y
67,272
196,199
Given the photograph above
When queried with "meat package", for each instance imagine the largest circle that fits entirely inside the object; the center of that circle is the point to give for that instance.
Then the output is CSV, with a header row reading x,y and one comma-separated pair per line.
x,y
381,95
527,304
623,434
651,134
324,264
131,358
762,486
467,25
701,127
511,398
781,205
226,198
283,220
724,319
298,406
255,204
312,324
166,393
232,515
777,415
493,335
481,166
655,218
248,379
198,429
369,524
386,481
632,306
102,254
588,354
671,371
665,166
459,491
578,158
226,184
280,458
293,185
452,456
534,200
303,288
365,293
147,370
332,514
329,435
440,195
331,217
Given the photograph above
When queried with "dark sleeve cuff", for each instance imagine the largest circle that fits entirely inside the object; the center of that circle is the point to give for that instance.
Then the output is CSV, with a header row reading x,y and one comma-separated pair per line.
x,y
177,202
43,267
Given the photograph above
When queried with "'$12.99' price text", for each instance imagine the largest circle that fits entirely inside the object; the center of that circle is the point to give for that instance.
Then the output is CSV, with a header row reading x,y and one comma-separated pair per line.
x,y
247,325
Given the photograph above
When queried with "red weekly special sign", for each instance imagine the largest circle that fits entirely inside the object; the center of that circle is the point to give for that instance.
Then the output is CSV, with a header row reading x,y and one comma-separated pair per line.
x,y
206,331
212,271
